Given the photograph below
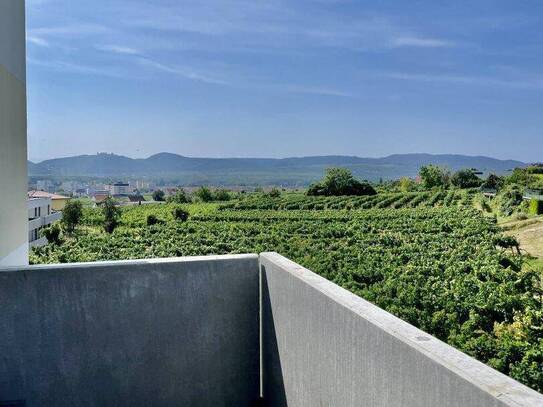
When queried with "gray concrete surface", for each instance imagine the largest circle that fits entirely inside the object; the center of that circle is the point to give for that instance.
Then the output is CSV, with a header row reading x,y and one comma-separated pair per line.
x,y
169,332
12,37
13,151
323,346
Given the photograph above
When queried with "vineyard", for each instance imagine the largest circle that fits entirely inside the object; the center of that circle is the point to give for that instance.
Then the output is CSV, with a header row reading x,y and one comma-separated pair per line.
x,y
450,198
429,258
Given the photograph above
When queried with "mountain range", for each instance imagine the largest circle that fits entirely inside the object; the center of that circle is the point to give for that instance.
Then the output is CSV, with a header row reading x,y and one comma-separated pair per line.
x,y
294,171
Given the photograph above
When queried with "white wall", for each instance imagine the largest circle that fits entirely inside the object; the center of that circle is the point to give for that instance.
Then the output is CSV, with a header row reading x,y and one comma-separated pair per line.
x,y
13,155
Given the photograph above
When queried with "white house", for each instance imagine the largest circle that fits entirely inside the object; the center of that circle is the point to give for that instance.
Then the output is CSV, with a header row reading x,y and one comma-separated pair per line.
x,y
40,215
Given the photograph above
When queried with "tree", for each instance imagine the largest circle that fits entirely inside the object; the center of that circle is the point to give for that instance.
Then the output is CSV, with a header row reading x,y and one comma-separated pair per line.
x,y
71,215
406,184
433,176
52,234
180,197
466,179
204,194
111,215
222,195
158,195
340,181
493,181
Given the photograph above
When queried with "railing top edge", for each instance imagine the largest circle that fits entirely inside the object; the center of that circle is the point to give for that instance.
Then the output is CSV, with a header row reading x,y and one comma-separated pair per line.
x,y
504,388
113,263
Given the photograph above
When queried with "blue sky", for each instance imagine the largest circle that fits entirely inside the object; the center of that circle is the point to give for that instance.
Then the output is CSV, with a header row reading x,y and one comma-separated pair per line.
x,y
285,78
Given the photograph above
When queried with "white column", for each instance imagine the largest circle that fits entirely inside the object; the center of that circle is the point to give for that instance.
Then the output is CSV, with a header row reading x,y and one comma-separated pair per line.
x,y
13,153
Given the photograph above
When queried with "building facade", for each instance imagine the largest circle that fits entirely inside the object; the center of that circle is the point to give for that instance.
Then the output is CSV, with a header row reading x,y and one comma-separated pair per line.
x,y
13,151
40,215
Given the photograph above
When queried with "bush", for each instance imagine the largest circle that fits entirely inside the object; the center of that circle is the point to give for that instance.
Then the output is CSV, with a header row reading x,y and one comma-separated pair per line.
x,y
111,215
274,193
510,201
204,194
340,181
536,207
71,215
152,220
180,197
466,179
433,176
158,195
52,234
221,195
493,182
180,214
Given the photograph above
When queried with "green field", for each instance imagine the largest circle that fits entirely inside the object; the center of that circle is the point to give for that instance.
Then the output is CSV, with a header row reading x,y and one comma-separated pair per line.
x,y
429,258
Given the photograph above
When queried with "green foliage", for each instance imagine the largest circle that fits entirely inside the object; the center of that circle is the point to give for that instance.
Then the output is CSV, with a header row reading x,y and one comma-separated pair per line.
x,y
466,179
407,184
111,215
180,197
152,220
447,270
433,176
180,214
493,182
221,195
510,200
536,207
204,194
451,198
158,195
274,193
71,215
338,182
52,234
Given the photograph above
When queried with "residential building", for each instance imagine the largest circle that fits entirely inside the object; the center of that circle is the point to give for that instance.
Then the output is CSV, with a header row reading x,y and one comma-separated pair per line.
x,y
40,215
58,201
119,189
13,152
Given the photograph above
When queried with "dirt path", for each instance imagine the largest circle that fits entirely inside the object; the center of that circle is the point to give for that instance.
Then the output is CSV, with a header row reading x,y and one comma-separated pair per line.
x,y
529,235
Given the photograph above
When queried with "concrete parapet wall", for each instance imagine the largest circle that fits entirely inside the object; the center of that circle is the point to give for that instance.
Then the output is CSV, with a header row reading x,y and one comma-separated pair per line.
x,y
324,346
169,332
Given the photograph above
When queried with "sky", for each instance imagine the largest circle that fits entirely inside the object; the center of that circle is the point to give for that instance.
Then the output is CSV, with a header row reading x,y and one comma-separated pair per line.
x,y
277,78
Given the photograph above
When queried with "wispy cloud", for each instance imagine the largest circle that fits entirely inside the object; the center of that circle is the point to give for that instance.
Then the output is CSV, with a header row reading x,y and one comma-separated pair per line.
x,y
72,30
68,67
184,72
37,41
528,84
420,42
118,49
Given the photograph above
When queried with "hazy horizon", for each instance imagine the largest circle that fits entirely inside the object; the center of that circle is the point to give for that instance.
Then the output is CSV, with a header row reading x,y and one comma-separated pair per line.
x,y
238,78
280,157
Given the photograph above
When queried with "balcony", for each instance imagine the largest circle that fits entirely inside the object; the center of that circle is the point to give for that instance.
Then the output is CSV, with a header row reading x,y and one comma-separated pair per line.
x,y
237,330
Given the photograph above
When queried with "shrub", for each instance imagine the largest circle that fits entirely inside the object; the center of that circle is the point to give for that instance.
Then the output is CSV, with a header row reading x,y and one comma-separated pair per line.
x,y
180,197
204,194
71,215
158,195
221,195
340,181
152,220
466,179
510,200
52,234
493,182
433,176
274,193
180,214
536,207
111,215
